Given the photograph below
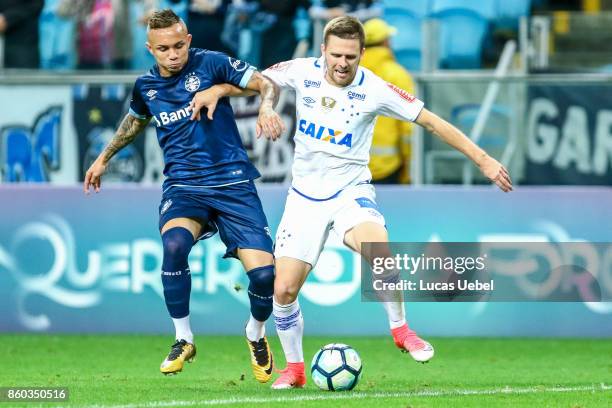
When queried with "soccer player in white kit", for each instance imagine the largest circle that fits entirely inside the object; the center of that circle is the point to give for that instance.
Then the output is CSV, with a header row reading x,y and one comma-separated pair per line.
x,y
337,104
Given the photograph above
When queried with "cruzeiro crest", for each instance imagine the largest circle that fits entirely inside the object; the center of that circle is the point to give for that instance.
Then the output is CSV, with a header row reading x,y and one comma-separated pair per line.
x,y
328,103
192,82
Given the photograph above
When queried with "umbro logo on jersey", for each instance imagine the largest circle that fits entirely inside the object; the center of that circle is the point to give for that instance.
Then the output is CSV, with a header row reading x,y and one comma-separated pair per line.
x,y
354,95
312,84
151,94
325,134
308,100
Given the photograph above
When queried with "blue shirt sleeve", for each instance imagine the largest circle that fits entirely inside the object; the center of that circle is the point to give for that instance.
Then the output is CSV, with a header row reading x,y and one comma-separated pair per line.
x,y
228,70
138,108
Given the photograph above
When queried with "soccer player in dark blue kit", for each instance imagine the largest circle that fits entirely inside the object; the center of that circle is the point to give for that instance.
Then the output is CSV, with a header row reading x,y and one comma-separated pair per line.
x,y
209,179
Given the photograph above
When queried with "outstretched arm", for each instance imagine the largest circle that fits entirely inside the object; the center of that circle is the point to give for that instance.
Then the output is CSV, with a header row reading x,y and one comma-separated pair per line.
x,y
128,130
490,167
269,122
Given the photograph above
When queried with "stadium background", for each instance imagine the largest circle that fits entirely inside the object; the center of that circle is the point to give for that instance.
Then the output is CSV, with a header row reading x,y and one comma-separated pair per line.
x,y
76,264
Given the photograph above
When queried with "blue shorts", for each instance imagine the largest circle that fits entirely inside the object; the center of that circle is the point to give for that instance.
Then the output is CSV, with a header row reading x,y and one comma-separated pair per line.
x,y
235,211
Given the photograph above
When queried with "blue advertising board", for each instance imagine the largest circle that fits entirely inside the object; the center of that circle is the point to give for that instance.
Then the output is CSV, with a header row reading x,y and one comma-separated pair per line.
x,y
75,263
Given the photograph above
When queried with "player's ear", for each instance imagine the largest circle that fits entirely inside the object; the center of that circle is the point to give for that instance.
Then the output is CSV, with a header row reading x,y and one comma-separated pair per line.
x,y
149,47
322,48
189,36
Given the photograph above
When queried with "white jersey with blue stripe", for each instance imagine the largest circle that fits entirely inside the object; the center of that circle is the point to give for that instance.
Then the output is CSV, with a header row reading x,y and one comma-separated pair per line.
x,y
334,128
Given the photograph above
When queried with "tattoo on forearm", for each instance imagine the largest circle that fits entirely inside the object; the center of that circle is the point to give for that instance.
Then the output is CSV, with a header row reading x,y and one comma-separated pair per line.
x,y
266,88
269,94
126,133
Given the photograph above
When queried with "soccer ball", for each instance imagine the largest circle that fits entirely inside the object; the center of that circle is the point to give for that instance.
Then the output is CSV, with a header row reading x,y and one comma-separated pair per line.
x,y
336,367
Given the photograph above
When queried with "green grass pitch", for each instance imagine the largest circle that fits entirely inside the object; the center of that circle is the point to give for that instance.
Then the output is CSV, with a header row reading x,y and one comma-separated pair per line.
x,y
122,371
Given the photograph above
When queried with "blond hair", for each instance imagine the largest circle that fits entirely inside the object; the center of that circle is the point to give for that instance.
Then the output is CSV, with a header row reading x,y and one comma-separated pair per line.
x,y
345,27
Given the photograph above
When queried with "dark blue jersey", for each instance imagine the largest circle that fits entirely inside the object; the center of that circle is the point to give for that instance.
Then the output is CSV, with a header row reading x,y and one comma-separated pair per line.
x,y
196,153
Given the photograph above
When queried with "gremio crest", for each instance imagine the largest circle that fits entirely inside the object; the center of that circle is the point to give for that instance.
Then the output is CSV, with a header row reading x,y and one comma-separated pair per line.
x,y
192,82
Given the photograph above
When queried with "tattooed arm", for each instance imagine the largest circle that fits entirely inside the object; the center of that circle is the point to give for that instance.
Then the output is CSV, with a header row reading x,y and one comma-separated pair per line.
x,y
268,90
128,130
269,122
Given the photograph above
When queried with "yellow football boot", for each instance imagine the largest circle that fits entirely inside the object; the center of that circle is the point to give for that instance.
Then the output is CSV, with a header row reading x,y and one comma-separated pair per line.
x,y
262,362
181,351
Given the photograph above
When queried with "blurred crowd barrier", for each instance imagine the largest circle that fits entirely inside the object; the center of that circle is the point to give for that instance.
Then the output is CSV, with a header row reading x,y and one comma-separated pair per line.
x,y
547,128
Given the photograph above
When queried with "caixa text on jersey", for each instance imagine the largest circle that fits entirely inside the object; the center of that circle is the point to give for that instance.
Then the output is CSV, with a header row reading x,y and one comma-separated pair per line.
x,y
325,134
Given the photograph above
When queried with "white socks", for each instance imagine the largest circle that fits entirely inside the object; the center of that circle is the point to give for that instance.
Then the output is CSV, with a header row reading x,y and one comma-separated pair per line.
x,y
255,329
290,328
392,301
183,329
395,313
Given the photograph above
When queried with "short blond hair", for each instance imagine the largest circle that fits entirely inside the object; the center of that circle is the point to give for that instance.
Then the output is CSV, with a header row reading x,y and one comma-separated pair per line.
x,y
345,27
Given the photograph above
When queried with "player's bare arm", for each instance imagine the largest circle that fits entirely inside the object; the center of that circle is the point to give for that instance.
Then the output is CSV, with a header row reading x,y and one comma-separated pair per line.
x,y
129,128
490,167
269,122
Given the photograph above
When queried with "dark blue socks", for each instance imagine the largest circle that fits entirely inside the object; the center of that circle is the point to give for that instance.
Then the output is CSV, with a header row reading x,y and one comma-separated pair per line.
x,y
176,277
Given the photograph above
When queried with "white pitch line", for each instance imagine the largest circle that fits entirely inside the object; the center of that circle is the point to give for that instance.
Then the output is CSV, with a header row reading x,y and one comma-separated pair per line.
x,y
349,396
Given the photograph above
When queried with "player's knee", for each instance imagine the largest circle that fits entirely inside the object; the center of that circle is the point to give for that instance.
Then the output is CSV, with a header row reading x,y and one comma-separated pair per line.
x,y
285,292
177,243
261,288
262,278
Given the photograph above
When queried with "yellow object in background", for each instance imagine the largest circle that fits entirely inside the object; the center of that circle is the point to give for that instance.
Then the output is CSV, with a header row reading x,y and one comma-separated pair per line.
x,y
561,22
591,6
391,142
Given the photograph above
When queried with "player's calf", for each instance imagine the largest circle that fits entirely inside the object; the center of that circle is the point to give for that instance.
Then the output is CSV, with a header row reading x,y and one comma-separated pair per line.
x,y
176,280
176,276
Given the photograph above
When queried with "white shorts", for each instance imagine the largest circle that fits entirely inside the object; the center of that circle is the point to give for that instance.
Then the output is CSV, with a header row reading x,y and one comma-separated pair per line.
x,y
306,223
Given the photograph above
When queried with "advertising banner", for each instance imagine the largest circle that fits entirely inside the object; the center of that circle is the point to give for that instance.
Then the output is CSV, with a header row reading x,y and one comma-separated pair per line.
x,y
75,263
569,135
54,133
